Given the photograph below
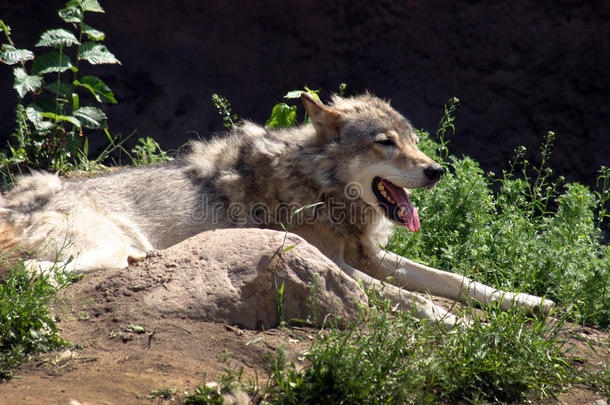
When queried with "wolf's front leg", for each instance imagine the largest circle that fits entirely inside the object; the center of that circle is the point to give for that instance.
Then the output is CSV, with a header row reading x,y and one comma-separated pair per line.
x,y
417,277
423,308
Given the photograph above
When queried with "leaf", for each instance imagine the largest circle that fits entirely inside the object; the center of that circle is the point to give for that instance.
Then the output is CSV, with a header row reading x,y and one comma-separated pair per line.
x,y
71,14
56,38
288,248
53,106
59,117
282,116
92,5
5,28
51,62
60,88
11,55
135,328
313,93
24,82
254,340
34,334
96,54
294,94
33,112
90,117
93,34
98,88
297,93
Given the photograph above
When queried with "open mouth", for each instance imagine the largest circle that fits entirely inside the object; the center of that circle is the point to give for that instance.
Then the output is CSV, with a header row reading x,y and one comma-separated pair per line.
x,y
396,203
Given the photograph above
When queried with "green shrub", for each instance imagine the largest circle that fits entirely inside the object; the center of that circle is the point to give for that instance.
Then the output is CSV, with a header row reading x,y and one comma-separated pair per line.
x,y
148,152
389,358
27,325
224,109
50,115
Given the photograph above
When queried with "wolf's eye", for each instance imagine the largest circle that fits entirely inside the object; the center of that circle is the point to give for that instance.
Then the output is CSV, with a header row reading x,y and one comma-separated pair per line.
x,y
385,142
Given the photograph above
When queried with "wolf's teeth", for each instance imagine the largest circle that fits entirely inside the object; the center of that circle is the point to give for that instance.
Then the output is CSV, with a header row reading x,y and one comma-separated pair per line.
x,y
384,192
387,197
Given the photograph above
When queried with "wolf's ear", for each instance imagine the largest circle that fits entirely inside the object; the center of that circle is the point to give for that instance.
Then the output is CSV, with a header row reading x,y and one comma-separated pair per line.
x,y
325,119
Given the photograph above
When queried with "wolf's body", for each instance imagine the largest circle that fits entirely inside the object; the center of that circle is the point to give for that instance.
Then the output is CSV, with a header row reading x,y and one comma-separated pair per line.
x,y
349,169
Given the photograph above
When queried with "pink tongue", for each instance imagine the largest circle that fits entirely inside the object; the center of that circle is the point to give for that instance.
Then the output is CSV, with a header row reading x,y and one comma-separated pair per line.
x,y
411,217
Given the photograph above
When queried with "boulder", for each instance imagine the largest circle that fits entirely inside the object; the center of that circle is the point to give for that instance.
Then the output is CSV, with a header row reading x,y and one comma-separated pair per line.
x,y
253,278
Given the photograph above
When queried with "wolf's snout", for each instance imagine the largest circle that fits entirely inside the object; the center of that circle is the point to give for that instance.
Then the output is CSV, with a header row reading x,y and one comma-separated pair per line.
x,y
434,172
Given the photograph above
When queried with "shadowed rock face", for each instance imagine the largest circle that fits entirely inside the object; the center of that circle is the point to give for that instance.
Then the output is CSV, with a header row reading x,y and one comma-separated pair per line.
x,y
520,69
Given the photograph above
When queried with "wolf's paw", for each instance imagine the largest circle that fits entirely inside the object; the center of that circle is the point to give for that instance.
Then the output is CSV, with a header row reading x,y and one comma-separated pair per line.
x,y
138,256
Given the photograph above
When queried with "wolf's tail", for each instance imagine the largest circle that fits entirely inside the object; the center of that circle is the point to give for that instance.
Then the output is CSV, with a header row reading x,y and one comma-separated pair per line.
x,y
31,192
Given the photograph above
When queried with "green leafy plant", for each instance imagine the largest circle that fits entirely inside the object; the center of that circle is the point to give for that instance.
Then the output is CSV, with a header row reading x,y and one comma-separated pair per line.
x,y
50,115
27,325
223,106
230,382
279,289
390,358
284,115
205,394
163,393
600,380
147,152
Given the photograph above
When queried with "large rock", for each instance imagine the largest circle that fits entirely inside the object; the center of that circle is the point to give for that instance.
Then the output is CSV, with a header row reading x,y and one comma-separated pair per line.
x,y
231,276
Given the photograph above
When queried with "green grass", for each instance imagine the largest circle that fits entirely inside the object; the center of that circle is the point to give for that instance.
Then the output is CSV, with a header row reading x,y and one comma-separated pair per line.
x,y
27,325
600,381
389,357
148,152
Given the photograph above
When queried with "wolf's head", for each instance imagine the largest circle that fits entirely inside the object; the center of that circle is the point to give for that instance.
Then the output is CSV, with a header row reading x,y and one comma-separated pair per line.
x,y
379,149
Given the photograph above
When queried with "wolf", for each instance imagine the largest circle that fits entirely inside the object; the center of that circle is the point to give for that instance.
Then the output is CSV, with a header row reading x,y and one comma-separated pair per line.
x,y
340,182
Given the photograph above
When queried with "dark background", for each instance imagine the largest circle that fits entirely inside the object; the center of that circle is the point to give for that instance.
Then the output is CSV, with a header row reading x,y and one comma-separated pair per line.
x,y
520,68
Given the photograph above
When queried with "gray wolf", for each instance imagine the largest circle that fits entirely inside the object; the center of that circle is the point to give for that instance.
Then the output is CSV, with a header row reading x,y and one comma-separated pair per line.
x,y
346,175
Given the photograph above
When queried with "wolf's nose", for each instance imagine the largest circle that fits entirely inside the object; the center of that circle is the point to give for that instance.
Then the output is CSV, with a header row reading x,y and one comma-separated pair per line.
x,y
434,172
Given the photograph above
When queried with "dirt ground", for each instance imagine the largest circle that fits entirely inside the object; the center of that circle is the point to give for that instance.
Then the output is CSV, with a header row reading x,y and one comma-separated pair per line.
x,y
124,356
127,355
